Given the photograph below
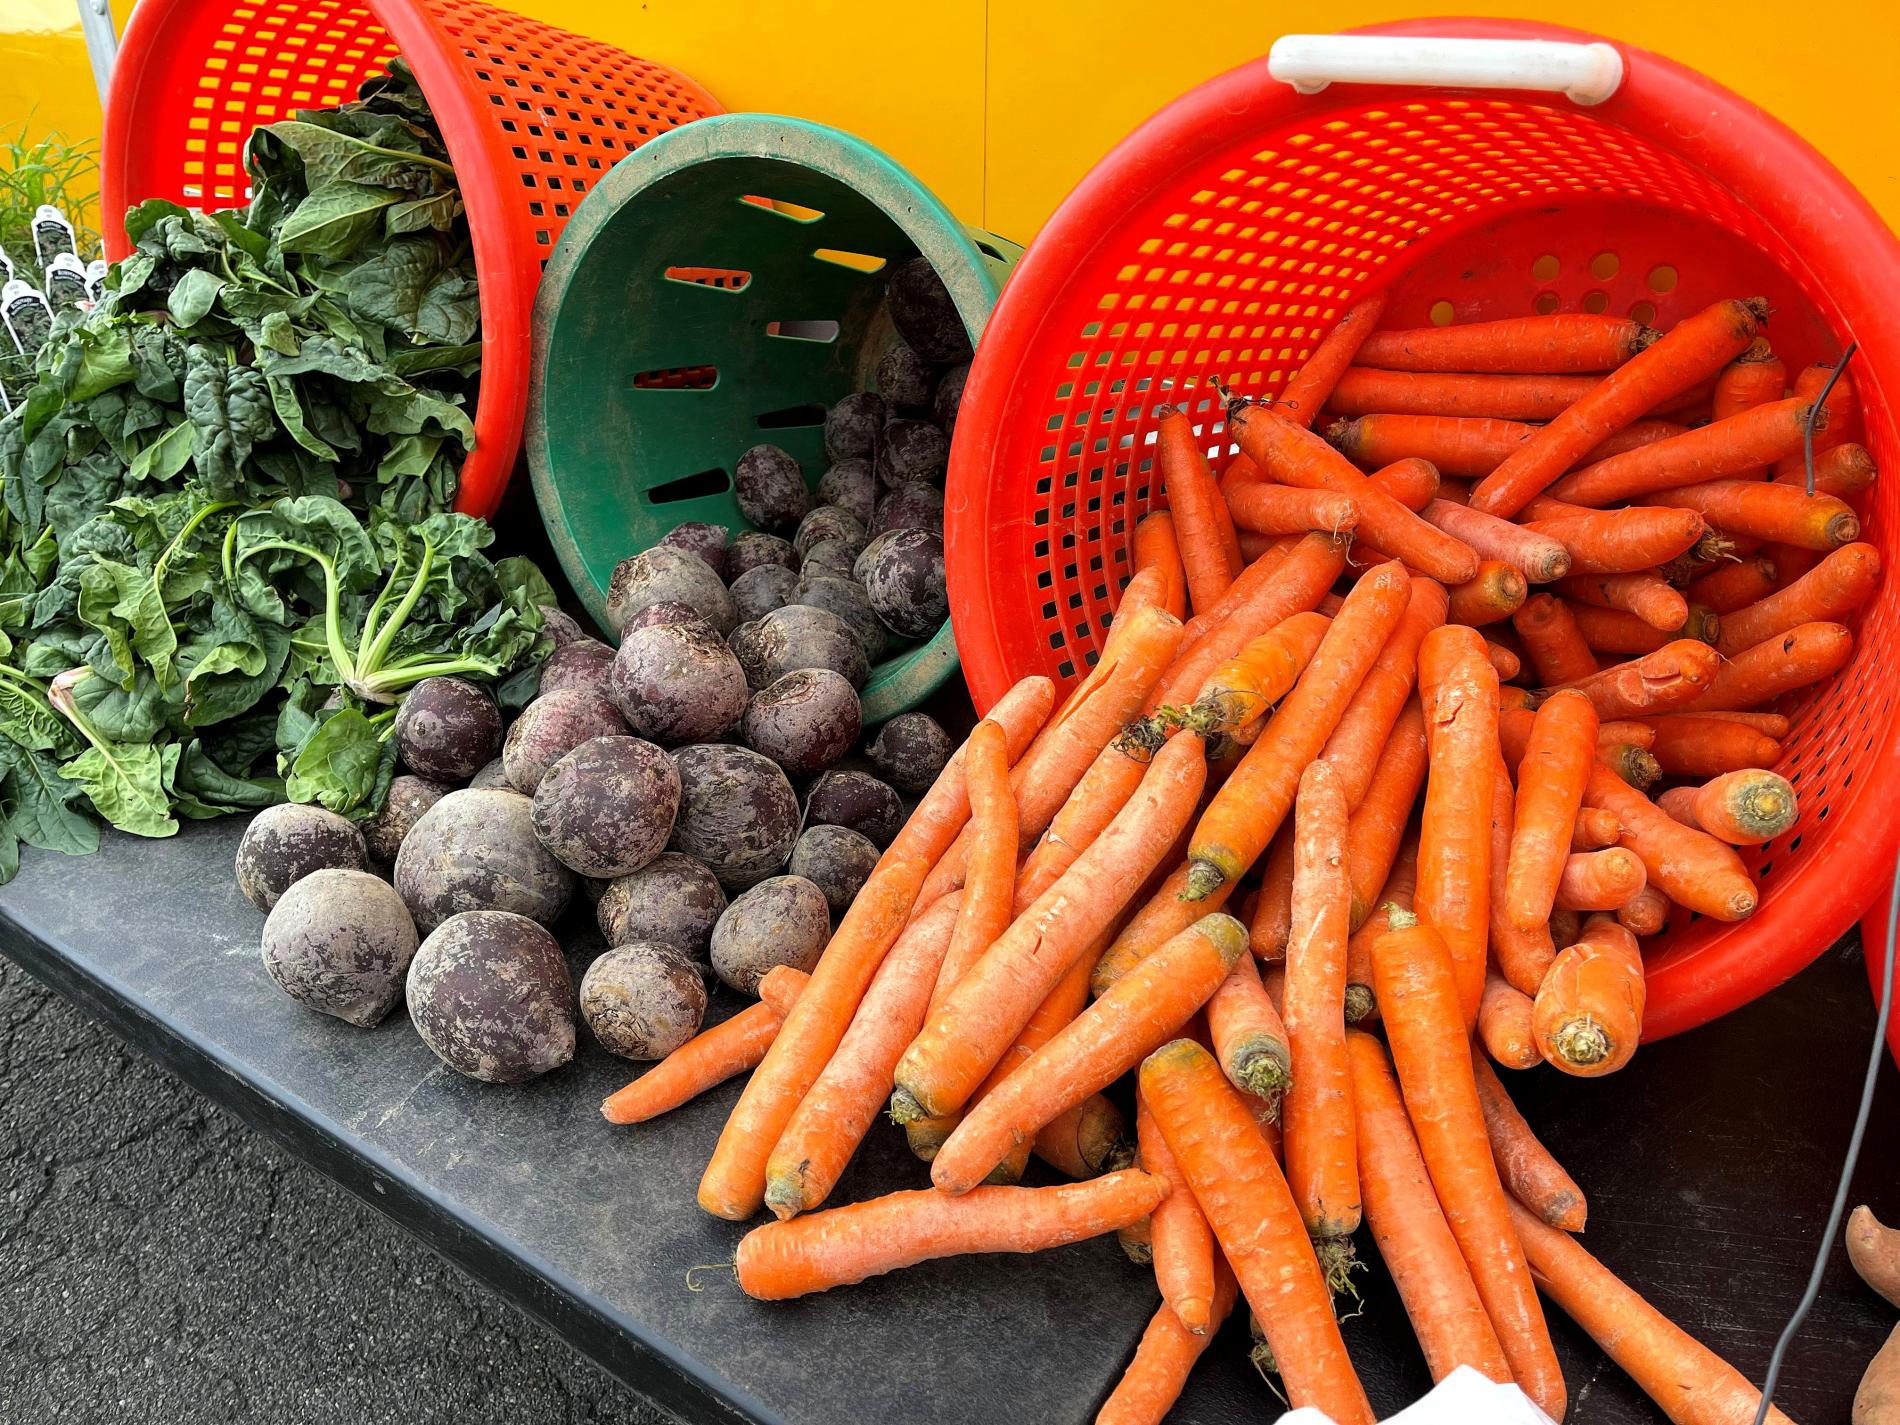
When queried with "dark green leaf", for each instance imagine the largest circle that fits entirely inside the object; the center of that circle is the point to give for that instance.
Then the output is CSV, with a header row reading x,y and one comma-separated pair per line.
x,y
44,810
337,766
126,782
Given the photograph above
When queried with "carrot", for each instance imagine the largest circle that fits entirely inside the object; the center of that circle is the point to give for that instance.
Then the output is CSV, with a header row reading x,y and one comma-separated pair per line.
x,y
1179,1237
1690,867
1155,548
1729,587
1287,509
1742,808
1163,1358
1271,921
1775,725
1357,742
989,892
709,1058
1754,378
1507,663
1360,1002
1412,482
1631,763
1698,347
1310,387
1709,746
1249,1036
1551,777
1245,687
1498,592
1082,1142
1239,470
1426,1026
1589,1012
1835,587
733,1185
1239,1186
1522,955
1785,514
971,1029
1552,345
1843,471
1642,593
1691,1384
1539,558
1136,1240
1531,1175
1601,880
1376,829
1595,830
1409,1227
1457,445
843,1103
1647,914
1365,390
1614,631
1295,456
1622,541
1842,409
1459,690
1108,1038
823,1250
1163,915
1210,553
1504,1023
1795,659
1316,1115
1555,645
1725,449
1675,674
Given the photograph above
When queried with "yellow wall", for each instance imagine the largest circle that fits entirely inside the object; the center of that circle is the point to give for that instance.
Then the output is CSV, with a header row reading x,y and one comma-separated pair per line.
x,y
1001,105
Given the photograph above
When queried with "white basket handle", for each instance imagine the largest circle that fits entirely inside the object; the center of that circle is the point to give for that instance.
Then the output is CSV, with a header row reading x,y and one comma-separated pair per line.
x,y
1586,73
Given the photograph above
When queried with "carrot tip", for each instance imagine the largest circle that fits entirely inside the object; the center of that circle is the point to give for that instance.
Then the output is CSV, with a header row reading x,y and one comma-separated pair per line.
x,y
904,1107
1203,879
1360,1003
1267,1077
1337,1262
1581,1042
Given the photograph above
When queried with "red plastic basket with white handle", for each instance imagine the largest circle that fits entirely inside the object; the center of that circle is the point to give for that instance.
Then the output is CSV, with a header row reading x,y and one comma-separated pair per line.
x,y
1225,236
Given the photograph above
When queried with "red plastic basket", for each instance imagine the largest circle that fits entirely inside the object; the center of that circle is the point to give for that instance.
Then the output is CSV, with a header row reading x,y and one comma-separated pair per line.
x,y
532,115
1226,235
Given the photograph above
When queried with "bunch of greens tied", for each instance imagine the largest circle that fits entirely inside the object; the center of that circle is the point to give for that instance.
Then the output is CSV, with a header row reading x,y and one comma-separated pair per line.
x,y
224,546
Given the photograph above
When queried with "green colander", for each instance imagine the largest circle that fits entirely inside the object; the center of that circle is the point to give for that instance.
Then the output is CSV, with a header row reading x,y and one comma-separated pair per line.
x,y
719,288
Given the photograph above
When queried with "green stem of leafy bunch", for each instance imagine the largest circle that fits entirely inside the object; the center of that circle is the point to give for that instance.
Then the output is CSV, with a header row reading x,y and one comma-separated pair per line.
x,y
185,532
375,643
332,593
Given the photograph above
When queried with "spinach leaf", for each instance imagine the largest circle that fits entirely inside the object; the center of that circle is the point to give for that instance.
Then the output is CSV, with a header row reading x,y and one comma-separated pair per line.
x,y
44,808
127,784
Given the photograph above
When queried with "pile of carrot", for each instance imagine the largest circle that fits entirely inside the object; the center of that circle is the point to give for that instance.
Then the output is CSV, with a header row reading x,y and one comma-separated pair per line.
x,y
1412,724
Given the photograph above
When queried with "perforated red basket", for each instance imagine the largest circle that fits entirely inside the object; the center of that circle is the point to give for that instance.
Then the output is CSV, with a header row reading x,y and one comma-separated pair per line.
x,y
532,115
1225,236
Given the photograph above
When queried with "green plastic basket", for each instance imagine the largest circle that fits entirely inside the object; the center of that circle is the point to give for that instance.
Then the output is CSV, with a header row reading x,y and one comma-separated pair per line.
x,y
717,289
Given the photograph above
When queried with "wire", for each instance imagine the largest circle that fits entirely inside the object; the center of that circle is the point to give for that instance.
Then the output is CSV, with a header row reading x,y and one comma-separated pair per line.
x,y
1807,426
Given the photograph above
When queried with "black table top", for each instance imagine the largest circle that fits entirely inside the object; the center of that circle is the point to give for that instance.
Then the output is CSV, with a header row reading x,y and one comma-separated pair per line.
x,y
1708,1165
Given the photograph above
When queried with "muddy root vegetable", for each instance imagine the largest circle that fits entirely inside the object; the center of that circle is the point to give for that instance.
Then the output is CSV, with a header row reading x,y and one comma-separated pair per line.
x,y
285,843
754,547
580,663
409,797
760,590
905,580
858,801
1874,1249
835,859
805,721
852,424
663,575
910,750
477,851
552,726
340,942
678,683
672,900
607,808
490,994
643,1000
783,920
770,489
446,729
738,813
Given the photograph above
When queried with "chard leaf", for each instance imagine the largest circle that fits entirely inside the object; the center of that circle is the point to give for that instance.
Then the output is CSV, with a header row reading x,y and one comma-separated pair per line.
x,y
126,783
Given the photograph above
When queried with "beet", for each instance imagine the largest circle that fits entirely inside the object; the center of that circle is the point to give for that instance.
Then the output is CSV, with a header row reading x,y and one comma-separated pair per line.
x,y
478,851
666,611
781,921
580,664
702,538
804,721
852,424
800,636
757,592
738,813
910,751
903,378
925,314
948,398
643,1000
835,859
857,800
904,577
490,994
560,626
409,797
827,522
912,451
845,598
832,558
492,777
672,899
913,505
662,575
340,942
851,485
751,548
446,729
770,489
678,683
285,843
607,808
552,726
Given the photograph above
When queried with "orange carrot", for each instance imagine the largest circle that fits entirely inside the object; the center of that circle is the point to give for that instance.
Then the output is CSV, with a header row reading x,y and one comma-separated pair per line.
x,y
1785,514
1631,763
1295,456
1426,1026
1180,1239
1359,739
1709,746
1843,471
1316,1115
1614,631
733,1185
963,1040
1366,390
1155,548
1376,829
1601,880
823,1250
1107,1039
1690,867
1589,1013
1504,659
1842,409
1675,674
1463,446
1775,725
1459,689
1691,1384
1238,471
1568,342
1595,829
1248,1034
1642,593
1409,1227
1504,1023
1163,1357
989,891
1754,378
1498,592
1514,734
1314,382
1801,656
1398,890
1698,347
1271,922
1551,778
1557,648
1286,509
1412,482
1647,914
1245,687
1742,808
1835,587
1240,1188
1082,1142
1729,587
1532,1176
1522,955
1210,552
1621,541
825,1130
711,1057
1745,442
1163,915
1539,558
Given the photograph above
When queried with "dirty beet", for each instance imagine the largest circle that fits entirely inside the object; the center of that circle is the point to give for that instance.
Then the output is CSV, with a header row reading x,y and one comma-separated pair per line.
x,y
478,851
642,1000
339,942
285,843
490,994
607,808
